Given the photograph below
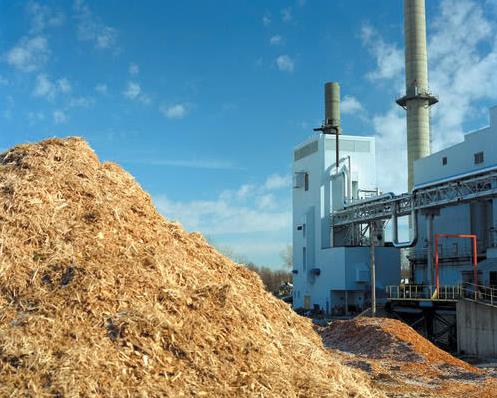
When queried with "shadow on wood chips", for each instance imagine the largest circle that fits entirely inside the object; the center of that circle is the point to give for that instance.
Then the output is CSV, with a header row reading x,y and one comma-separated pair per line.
x,y
102,296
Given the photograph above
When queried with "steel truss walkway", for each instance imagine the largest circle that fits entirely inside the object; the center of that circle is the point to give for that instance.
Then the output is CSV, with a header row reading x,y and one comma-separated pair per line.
x,y
455,191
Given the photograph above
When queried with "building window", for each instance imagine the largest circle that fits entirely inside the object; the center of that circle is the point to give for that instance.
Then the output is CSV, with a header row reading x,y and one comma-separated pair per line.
x,y
478,157
444,160
306,181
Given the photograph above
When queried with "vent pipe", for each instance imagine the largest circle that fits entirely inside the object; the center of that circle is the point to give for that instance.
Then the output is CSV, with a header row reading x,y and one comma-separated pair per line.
x,y
418,99
332,105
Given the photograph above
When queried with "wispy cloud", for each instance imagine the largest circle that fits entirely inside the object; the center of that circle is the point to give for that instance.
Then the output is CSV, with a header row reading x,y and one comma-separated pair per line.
x,y
133,91
389,58
91,28
266,20
101,88
286,14
351,105
209,164
29,54
275,40
248,209
48,89
285,63
278,181
133,69
177,111
463,61
42,17
59,117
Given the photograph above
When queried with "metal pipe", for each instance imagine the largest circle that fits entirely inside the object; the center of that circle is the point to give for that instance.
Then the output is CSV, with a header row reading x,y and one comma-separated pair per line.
x,y
429,255
372,267
413,223
349,180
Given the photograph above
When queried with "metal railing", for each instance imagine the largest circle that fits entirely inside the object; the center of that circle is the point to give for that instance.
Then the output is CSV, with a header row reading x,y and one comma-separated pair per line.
x,y
479,293
470,291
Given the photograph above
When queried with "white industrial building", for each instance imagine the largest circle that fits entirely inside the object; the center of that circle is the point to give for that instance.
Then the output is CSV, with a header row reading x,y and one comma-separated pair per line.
x,y
328,275
476,155
339,214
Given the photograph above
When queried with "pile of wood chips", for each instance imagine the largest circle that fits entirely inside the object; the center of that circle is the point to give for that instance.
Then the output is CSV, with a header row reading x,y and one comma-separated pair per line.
x,y
102,296
402,363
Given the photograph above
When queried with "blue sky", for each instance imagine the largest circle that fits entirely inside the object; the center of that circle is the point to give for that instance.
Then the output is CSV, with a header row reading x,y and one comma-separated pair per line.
x,y
203,101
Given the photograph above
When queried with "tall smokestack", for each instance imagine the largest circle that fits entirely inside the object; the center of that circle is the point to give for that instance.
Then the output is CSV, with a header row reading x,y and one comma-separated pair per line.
x,y
332,105
417,99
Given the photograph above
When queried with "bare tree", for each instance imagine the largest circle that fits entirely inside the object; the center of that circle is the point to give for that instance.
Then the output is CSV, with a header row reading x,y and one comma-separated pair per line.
x,y
287,256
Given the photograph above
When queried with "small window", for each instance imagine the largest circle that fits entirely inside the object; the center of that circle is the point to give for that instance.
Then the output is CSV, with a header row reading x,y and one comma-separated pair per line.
x,y
299,228
306,181
478,157
444,160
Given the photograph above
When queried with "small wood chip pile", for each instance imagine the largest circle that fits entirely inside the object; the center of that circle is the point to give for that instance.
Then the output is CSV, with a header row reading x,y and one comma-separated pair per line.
x,y
102,296
384,338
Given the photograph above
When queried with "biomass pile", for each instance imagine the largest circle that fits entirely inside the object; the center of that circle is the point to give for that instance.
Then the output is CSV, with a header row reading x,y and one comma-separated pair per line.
x,y
102,296
402,363
386,338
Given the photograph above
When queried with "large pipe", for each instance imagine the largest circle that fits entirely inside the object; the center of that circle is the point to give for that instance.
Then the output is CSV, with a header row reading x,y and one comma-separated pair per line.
x,y
417,99
413,229
332,104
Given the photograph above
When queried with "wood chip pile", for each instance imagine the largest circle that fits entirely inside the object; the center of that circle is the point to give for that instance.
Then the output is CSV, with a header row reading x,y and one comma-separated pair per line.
x,y
102,296
380,338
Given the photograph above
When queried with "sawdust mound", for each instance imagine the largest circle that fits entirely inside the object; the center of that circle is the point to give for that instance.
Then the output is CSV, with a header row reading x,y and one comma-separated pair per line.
x,y
101,296
384,338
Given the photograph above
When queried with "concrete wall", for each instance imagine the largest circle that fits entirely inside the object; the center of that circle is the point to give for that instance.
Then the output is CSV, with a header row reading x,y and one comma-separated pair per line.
x,y
476,328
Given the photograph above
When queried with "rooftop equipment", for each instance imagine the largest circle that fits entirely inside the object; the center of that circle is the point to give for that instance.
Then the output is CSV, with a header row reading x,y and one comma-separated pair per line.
x,y
418,99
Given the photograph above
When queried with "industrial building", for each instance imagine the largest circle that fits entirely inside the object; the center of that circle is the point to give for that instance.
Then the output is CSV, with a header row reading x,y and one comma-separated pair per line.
x,y
342,263
329,274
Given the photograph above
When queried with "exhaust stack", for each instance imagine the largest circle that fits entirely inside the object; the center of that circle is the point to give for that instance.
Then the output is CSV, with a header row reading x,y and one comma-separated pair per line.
x,y
418,98
332,105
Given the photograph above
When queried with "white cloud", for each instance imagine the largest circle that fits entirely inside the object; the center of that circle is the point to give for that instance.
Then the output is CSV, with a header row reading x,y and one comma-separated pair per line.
x,y
42,17
285,63
266,20
194,163
133,91
91,28
81,102
249,209
59,117
277,181
463,61
35,117
178,111
275,40
351,105
133,69
45,88
101,88
64,85
286,14
29,54
389,58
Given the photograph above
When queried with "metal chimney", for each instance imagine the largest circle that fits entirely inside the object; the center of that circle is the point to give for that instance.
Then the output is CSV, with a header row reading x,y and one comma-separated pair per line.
x,y
418,98
332,105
